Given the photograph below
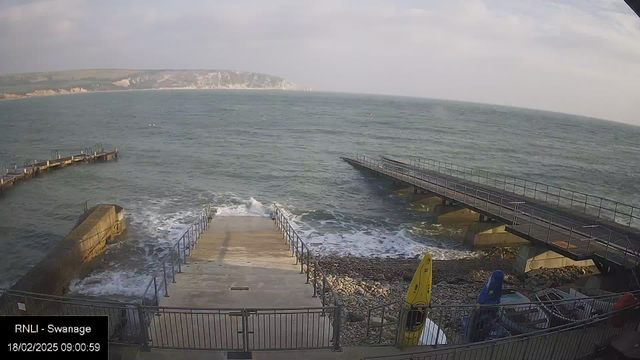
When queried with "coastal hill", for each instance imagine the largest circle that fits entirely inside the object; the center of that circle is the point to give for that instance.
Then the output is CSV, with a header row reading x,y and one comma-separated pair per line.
x,y
76,81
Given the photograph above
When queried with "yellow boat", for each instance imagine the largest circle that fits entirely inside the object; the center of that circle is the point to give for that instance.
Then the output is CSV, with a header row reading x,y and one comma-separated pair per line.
x,y
417,301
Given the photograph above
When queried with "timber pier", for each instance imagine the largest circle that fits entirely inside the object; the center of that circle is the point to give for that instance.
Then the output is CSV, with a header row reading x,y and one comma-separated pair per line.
x,y
31,168
588,231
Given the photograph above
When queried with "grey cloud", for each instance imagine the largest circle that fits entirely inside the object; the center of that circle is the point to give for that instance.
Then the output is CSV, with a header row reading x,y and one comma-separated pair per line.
x,y
572,56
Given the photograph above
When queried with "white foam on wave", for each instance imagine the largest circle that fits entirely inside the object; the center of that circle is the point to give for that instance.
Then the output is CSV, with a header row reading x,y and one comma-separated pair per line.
x,y
157,231
126,274
355,240
160,226
335,234
109,283
380,243
239,207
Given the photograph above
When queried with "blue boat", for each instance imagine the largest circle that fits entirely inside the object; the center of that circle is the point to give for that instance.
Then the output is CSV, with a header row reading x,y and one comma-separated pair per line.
x,y
482,323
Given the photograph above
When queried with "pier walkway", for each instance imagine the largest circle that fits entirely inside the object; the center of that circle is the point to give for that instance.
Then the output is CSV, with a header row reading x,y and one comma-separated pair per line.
x,y
578,236
241,289
31,168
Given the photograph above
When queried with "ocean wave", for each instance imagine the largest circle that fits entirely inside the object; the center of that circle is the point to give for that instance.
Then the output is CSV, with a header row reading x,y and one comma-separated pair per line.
x,y
129,264
109,283
238,207
330,232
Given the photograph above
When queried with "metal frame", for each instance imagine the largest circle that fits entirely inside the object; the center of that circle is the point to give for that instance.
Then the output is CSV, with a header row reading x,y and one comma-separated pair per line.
x,y
448,317
604,208
124,324
246,329
172,263
310,266
577,240
568,342
241,329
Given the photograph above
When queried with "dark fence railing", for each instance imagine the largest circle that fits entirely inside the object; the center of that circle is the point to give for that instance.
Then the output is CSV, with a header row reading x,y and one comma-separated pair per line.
x,y
148,325
172,263
568,342
241,329
583,240
124,319
461,324
608,209
310,266
31,167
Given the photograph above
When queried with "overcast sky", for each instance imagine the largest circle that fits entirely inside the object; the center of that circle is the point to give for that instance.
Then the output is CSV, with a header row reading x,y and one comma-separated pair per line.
x,y
576,56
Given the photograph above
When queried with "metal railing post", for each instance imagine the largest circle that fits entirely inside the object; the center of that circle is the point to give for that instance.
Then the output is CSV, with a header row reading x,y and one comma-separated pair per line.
x,y
173,268
324,291
155,290
301,255
546,194
179,258
337,319
573,194
487,203
570,236
295,248
530,221
291,242
308,256
164,279
184,248
315,279
144,338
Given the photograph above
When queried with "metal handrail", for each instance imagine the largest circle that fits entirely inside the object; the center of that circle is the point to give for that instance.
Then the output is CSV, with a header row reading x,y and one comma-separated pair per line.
x,y
29,164
574,227
443,315
135,324
508,210
304,256
177,257
577,200
66,299
579,325
494,306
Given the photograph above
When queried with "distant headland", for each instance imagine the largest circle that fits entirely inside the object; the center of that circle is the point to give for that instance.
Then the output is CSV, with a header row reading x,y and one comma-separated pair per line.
x,y
13,86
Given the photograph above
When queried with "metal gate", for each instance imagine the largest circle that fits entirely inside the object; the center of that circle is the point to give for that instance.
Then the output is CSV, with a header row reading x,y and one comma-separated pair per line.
x,y
242,329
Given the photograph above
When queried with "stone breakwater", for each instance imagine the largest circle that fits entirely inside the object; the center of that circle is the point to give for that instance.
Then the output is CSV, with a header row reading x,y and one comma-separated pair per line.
x,y
362,283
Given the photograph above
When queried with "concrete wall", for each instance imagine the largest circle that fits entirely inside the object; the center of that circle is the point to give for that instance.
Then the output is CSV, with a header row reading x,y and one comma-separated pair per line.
x,y
531,257
425,201
402,188
488,234
72,256
454,214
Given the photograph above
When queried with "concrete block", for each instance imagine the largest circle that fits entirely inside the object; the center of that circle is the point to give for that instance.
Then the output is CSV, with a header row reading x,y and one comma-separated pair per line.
x,y
454,214
425,201
72,256
531,257
488,234
402,188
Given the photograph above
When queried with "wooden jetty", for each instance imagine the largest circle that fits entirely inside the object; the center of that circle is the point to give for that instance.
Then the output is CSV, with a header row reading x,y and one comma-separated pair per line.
x,y
576,235
31,168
